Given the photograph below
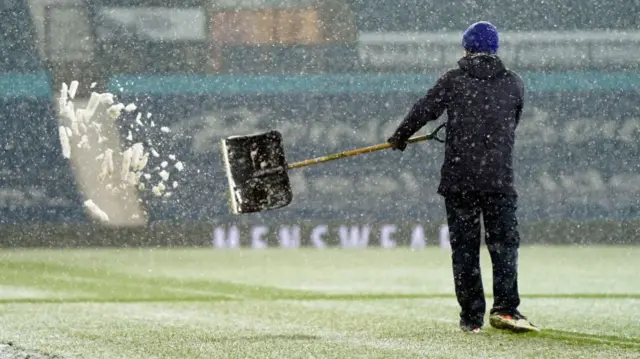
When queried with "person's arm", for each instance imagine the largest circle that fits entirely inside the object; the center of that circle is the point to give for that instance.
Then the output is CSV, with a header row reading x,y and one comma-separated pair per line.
x,y
521,103
428,108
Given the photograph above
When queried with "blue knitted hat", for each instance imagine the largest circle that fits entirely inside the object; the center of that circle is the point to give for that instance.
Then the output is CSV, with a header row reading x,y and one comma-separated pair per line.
x,y
481,37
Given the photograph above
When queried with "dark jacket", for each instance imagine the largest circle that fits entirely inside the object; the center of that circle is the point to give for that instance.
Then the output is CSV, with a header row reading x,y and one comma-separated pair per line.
x,y
484,103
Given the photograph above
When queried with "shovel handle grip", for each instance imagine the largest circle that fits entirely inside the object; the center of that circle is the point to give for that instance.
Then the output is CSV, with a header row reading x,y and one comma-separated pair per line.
x,y
432,136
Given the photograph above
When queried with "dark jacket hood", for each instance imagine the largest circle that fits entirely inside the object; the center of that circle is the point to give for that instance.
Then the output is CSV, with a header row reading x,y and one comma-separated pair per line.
x,y
482,66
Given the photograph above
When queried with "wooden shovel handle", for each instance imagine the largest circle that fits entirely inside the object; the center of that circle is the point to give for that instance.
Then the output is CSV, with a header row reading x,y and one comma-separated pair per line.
x,y
432,136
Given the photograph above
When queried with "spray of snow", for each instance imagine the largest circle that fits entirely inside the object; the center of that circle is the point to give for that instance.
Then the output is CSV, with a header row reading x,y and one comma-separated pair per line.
x,y
80,129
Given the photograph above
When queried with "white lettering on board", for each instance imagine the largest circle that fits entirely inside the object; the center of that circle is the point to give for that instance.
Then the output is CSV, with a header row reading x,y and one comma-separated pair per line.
x,y
418,239
316,236
386,236
223,238
256,237
354,236
290,237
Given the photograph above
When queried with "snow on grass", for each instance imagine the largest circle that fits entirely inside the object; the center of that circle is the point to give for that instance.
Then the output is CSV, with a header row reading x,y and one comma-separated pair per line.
x,y
15,292
191,303
276,329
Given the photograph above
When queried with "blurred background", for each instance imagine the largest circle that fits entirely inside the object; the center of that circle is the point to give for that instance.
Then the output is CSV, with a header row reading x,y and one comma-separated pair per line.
x,y
330,75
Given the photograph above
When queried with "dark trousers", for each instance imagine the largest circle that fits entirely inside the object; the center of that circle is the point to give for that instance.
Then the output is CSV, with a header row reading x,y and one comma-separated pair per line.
x,y
502,239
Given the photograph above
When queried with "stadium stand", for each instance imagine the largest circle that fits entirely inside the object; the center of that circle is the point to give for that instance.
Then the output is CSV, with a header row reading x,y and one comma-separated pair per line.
x,y
35,182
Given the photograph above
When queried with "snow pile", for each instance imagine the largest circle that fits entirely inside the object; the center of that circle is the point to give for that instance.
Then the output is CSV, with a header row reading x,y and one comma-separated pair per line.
x,y
120,168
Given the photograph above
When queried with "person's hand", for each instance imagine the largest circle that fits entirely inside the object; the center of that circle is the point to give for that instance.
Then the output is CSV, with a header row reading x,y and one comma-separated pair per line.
x,y
397,144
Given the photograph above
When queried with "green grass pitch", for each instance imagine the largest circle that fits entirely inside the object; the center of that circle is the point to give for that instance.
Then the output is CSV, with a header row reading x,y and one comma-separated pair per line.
x,y
309,303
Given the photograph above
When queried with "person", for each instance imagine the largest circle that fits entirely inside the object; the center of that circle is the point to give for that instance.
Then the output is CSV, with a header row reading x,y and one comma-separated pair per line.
x,y
483,101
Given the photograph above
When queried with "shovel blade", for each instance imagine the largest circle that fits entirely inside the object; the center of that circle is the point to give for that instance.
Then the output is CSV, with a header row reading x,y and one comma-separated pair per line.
x,y
256,171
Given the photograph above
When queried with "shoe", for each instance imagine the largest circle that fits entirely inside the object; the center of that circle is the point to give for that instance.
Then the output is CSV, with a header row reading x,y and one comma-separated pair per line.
x,y
516,323
471,329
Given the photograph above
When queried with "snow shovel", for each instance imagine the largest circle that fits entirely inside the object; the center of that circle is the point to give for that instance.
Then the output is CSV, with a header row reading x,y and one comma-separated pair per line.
x,y
257,170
